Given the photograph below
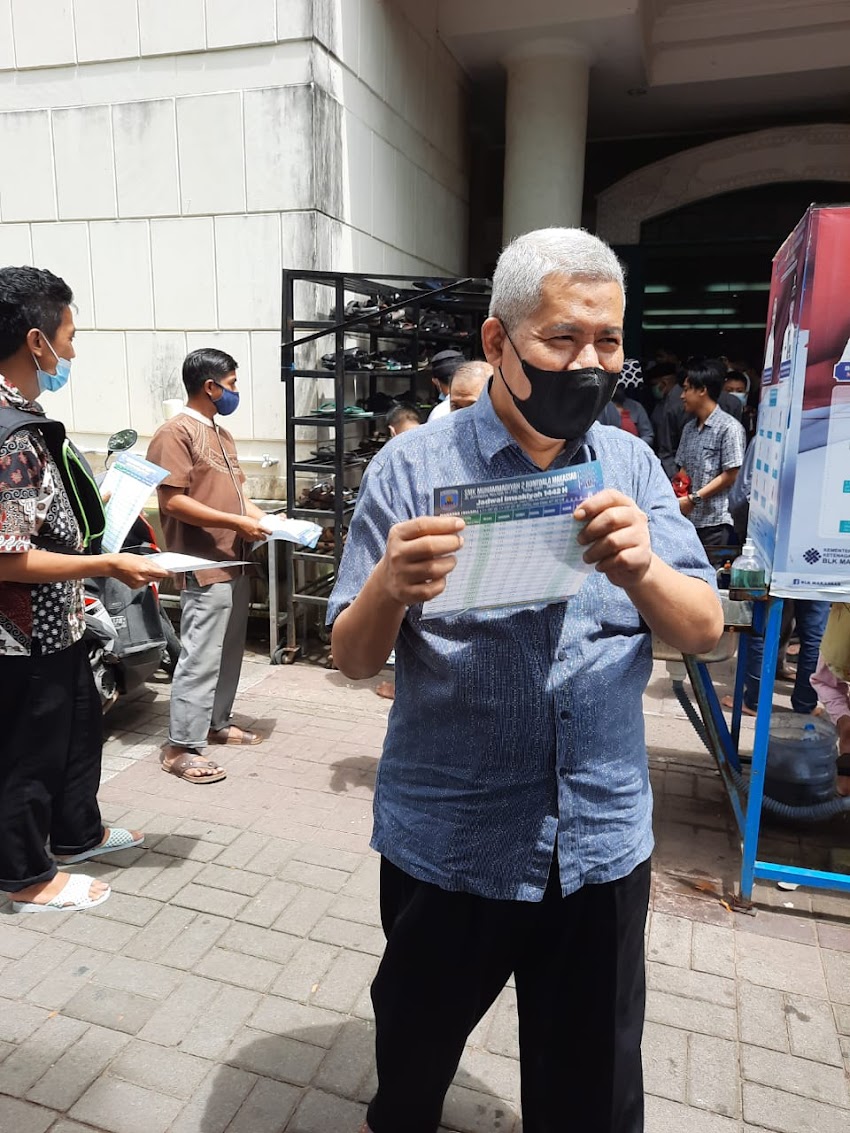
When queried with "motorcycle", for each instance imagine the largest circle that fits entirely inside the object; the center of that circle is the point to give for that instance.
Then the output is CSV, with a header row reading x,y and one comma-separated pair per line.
x,y
128,634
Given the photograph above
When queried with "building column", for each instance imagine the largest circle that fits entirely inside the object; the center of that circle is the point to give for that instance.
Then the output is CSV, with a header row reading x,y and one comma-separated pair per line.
x,y
545,131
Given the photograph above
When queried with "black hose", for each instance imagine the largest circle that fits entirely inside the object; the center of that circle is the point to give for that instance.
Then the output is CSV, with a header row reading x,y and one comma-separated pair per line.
x,y
812,812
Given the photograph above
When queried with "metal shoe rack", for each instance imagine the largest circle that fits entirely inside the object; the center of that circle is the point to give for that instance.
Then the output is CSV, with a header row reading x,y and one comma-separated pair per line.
x,y
310,575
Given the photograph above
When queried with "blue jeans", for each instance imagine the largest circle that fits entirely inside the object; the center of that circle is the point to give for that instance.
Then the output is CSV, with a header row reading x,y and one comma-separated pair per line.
x,y
811,623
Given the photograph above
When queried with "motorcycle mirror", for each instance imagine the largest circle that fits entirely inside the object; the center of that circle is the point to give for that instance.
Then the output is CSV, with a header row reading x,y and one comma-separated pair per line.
x,y
122,440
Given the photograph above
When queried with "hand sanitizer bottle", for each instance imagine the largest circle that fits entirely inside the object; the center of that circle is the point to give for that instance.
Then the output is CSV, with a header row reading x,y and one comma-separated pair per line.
x,y
747,572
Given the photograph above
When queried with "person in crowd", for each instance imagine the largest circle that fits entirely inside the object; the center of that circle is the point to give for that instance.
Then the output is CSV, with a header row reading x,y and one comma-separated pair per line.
x,y
710,451
669,416
513,808
50,757
809,618
831,682
402,418
736,385
443,365
632,415
467,383
206,513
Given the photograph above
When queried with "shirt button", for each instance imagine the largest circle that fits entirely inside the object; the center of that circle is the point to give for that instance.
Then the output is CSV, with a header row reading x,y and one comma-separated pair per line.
x,y
564,714
562,654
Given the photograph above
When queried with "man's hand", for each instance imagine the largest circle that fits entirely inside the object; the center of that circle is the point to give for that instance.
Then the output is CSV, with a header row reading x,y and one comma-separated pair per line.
x,y
134,571
249,528
616,534
419,556
686,505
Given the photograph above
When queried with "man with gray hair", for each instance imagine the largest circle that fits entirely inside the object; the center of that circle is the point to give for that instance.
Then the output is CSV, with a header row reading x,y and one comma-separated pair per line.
x,y
512,807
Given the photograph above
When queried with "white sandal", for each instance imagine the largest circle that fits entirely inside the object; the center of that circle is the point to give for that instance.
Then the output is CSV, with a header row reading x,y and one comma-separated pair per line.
x,y
74,895
119,839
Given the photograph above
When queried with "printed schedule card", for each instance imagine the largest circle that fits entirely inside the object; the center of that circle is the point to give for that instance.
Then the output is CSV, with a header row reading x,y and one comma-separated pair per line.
x,y
520,541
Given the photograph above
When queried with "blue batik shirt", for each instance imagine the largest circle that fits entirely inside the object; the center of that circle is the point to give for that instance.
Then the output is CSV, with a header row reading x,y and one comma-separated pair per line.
x,y
514,731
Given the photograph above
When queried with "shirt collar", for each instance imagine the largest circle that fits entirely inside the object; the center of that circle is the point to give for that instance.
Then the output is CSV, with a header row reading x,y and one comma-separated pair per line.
x,y
491,434
493,437
711,417
16,400
198,416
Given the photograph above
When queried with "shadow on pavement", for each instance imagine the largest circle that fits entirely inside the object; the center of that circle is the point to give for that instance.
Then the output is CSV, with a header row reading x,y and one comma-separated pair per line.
x,y
325,1074
357,771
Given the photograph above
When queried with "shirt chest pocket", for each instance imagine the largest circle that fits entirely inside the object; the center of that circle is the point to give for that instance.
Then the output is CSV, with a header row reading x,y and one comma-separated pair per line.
x,y
712,454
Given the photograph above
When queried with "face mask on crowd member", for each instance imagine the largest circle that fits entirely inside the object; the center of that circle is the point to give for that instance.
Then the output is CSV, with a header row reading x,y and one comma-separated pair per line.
x,y
226,402
52,359
52,382
738,385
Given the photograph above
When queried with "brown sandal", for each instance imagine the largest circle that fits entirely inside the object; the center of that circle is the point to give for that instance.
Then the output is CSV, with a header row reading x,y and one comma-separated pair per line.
x,y
234,737
188,761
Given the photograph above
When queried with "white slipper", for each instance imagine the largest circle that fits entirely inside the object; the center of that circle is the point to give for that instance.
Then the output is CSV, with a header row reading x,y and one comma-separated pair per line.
x,y
119,839
72,896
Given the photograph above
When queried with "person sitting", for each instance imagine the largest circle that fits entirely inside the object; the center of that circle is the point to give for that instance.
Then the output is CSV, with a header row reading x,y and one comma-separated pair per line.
x,y
402,418
467,383
711,451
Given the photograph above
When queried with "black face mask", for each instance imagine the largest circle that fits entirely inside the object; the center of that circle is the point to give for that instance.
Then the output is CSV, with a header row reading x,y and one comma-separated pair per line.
x,y
563,404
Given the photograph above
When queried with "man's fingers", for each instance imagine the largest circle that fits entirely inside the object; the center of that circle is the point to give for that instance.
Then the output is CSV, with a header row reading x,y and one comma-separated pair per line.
x,y
425,591
428,547
414,573
595,505
612,545
612,519
426,525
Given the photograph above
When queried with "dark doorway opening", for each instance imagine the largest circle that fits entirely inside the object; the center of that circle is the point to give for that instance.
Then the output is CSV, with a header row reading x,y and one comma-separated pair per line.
x,y
701,275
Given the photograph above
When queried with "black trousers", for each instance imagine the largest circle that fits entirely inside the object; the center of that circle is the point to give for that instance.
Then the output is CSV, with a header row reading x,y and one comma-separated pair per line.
x,y
578,963
721,535
52,730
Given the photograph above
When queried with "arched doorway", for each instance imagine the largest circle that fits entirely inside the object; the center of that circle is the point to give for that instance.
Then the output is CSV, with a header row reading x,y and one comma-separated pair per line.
x,y
706,269
698,229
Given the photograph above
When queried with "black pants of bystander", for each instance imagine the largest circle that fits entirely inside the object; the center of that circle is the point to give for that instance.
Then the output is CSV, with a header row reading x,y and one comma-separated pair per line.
x,y
50,756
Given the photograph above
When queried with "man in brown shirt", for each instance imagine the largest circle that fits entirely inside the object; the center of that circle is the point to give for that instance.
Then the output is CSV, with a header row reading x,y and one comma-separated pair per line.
x,y
206,513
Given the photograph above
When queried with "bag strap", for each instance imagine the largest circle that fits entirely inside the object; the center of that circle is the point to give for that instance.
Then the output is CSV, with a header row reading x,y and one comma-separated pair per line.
x,y
83,492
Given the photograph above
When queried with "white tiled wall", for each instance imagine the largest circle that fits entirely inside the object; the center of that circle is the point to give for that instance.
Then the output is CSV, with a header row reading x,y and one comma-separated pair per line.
x,y
106,29
146,169
168,159
84,162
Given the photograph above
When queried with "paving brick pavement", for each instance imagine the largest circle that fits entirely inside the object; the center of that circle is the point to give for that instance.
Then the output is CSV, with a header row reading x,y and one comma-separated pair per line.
x,y
224,986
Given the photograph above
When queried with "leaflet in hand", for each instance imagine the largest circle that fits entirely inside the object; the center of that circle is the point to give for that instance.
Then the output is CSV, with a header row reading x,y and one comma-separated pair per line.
x,y
520,541
298,531
129,483
176,563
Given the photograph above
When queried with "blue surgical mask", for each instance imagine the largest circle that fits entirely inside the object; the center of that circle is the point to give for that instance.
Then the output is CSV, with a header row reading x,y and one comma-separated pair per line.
x,y
227,403
742,397
50,383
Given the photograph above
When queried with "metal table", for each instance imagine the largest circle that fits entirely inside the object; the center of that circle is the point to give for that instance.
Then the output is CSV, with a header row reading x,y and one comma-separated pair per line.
x,y
724,742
